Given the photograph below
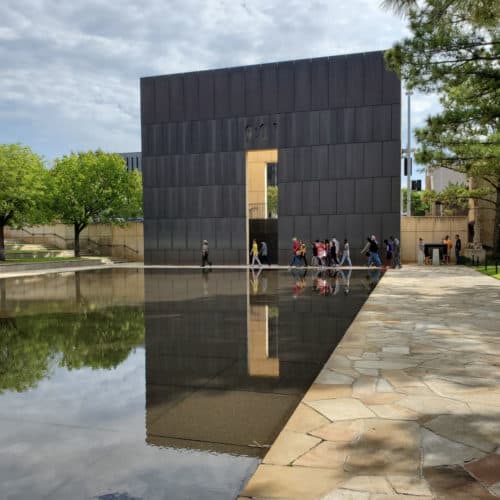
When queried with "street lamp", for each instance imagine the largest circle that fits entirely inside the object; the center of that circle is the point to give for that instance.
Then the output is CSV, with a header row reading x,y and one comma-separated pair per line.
x,y
408,162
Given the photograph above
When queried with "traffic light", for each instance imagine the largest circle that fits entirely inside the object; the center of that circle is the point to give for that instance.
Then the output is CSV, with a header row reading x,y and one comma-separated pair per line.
x,y
407,162
416,185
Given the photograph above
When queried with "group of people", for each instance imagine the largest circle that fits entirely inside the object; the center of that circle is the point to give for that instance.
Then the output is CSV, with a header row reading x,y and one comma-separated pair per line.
x,y
446,252
330,253
391,247
325,253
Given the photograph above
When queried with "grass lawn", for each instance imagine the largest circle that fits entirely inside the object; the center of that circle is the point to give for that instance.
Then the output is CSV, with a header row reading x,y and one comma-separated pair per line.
x,y
490,271
35,260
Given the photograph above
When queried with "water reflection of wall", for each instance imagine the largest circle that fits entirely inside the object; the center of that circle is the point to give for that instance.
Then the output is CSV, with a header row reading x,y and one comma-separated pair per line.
x,y
228,361
34,294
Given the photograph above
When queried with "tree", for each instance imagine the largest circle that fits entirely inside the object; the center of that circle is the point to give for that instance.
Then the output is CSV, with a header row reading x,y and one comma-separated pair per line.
x,y
454,50
22,188
94,187
272,200
419,204
454,198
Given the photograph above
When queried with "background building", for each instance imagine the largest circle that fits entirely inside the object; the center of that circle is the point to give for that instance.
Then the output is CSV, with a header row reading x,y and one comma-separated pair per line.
x,y
133,160
331,125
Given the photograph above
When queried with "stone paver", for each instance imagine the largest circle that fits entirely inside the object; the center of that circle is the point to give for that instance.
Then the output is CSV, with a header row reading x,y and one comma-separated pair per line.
x,y
408,405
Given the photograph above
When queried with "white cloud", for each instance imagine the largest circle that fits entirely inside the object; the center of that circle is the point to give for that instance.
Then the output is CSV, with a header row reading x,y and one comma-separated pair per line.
x,y
70,70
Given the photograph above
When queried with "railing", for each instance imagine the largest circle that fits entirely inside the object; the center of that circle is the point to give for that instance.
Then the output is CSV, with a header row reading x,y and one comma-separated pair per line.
x,y
126,248
70,242
260,211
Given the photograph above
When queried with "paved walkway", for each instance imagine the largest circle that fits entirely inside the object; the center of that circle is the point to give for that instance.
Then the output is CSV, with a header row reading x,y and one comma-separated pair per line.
x,y
408,405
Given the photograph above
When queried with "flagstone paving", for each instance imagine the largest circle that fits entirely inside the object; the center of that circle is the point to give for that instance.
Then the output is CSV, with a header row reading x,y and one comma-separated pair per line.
x,y
408,405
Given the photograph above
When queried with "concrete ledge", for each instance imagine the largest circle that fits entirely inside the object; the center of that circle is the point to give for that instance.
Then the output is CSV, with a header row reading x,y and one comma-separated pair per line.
x,y
7,268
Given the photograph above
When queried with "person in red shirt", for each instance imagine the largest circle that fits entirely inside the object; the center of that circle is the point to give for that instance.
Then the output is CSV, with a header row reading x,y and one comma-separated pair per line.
x,y
296,261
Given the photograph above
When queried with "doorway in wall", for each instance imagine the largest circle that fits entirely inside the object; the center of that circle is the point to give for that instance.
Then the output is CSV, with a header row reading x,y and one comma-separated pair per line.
x,y
262,200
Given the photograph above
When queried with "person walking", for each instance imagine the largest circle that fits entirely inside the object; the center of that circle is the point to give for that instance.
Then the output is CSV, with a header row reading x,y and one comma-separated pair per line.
x,y
254,252
388,252
296,261
346,254
366,249
322,253
204,254
374,256
335,250
396,248
314,260
421,252
263,253
458,248
303,253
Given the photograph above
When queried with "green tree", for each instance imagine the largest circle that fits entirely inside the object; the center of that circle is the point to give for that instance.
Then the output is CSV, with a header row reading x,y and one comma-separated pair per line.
x,y
454,50
94,187
22,188
454,198
419,204
272,199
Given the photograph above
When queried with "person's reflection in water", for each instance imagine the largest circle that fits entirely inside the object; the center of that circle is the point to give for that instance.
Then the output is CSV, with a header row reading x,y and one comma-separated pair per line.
x,y
373,277
322,284
254,280
204,273
299,276
336,288
346,280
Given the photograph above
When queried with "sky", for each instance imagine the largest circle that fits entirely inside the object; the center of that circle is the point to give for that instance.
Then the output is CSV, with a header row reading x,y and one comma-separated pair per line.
x,y
69,71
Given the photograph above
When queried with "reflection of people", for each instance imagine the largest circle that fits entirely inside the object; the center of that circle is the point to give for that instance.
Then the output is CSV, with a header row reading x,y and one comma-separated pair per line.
x,y
458,248
204,254
254,281
299,276
346,281
373,277
254,252
205,273
322,284
421,252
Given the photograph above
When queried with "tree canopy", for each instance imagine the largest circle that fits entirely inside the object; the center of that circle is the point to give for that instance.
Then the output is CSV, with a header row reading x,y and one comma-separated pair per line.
x,y
22,188
454,50
94,187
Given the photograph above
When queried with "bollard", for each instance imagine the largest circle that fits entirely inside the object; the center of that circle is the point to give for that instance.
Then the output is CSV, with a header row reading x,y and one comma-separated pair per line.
x,y
496,267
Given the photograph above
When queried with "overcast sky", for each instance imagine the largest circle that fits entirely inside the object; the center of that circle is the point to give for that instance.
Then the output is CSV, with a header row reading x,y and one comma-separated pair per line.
x,y
69,70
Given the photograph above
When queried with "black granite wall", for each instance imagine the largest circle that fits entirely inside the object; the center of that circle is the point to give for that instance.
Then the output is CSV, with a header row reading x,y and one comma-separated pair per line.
x,y
335,122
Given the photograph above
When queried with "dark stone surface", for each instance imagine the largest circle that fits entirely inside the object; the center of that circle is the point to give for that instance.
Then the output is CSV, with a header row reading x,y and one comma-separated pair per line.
x,y
334,120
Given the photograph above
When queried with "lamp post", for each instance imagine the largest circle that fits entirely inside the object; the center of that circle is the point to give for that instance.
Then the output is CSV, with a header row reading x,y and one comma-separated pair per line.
x,y
408,157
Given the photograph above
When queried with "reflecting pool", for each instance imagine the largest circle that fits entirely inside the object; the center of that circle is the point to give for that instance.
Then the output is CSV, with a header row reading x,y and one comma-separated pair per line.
x,y
131,384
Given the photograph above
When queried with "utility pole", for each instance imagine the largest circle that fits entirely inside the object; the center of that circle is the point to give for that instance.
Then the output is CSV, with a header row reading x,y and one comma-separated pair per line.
x,y
408,158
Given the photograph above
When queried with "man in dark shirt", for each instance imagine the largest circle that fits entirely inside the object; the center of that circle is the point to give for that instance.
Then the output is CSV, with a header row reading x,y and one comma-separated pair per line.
x,y
458,248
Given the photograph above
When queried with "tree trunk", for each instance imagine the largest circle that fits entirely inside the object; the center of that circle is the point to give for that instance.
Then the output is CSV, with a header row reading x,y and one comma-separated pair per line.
x,y
496,229
2,243
78,230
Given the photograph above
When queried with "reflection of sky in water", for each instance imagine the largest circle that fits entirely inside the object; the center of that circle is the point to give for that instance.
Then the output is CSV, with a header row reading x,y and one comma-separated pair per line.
x,y
81,434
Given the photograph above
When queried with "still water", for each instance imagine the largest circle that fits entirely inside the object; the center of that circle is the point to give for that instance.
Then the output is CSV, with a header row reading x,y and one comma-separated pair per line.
x,y
130,384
